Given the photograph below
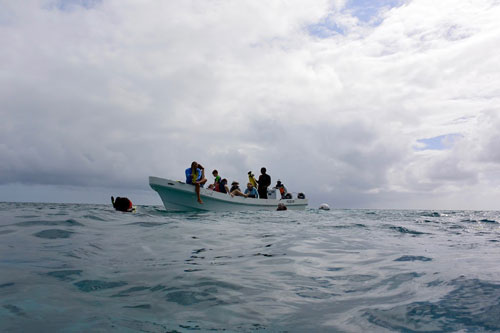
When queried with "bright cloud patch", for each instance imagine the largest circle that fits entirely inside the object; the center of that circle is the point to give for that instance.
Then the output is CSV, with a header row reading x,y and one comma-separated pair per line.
x,y
351,15
326,28
368,10
441,142
69,5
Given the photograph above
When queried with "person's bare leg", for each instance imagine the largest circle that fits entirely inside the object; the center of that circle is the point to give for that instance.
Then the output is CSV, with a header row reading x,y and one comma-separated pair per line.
x,y
197,188
238,193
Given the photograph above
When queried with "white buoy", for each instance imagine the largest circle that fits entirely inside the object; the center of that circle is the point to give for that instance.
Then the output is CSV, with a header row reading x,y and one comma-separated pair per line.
x,y
324,206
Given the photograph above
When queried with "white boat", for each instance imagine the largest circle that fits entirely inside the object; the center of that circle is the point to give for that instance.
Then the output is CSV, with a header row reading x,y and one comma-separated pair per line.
x,y
179,196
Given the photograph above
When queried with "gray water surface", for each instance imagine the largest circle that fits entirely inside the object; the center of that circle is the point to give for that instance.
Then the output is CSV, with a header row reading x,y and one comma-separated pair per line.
x,y
75,268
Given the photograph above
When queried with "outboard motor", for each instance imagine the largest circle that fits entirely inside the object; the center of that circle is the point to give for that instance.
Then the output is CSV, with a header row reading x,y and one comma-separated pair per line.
x,y
271,193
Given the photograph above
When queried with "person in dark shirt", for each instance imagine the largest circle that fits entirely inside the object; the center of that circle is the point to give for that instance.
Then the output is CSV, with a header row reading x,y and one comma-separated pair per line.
x,y
263,183
235,190
223,186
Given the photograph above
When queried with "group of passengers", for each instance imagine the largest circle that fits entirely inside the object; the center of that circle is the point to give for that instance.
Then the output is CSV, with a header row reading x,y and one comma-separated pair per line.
x,y
195,175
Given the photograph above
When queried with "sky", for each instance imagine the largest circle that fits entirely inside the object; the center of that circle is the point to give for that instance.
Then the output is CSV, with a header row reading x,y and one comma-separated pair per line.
x,y
358,104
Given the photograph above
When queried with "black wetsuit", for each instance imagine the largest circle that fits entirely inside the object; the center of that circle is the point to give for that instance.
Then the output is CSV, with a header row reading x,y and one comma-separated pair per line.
x,y
264,182
122,204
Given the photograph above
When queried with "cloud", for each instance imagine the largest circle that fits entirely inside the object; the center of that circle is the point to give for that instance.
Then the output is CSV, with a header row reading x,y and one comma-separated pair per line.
x,y
106,93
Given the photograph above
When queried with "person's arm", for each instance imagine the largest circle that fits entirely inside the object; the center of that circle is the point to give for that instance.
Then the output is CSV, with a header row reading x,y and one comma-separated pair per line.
x,y
201,175
269,180
202,172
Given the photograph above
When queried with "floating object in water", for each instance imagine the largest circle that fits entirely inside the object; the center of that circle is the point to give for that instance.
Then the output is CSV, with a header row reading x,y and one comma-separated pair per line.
x,y
122,204
281,206
324,206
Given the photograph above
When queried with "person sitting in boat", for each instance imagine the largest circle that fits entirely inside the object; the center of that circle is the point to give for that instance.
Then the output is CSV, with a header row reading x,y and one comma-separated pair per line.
x,y
235,190
280,187
195,175
122,204
216,185
223,186
250,191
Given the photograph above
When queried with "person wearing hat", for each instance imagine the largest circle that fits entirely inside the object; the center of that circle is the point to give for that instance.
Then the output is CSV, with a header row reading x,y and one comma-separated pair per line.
x,y
235,190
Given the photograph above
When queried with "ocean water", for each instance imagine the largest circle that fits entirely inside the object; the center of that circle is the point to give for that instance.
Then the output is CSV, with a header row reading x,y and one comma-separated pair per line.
x,y
87,268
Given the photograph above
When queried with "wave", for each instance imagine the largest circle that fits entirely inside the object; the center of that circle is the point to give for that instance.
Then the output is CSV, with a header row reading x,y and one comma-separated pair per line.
x,y
65,223
473,305
404,230
413,258
53,234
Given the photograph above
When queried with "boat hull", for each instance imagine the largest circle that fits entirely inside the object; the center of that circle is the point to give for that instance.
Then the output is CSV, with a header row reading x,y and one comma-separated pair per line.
x,y
178,196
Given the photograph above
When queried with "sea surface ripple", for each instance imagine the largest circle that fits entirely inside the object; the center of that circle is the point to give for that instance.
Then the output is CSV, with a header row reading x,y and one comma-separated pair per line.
x,y
82,268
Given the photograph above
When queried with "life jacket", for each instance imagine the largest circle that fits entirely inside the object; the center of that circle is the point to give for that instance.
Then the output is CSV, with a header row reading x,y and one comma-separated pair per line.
x,y
282,190
222,186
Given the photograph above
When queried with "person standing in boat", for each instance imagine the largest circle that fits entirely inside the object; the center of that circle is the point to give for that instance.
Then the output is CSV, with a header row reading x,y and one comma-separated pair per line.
x,y
263,183
195,175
